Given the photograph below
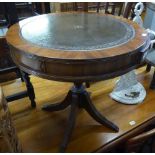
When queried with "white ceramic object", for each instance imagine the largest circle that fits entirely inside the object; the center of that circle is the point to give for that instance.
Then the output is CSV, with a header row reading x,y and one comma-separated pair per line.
x,y
128,90
138,11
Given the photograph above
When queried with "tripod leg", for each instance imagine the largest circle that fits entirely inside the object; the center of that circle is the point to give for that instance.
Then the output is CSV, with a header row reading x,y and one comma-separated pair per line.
x,y
70,124
59,106
90,108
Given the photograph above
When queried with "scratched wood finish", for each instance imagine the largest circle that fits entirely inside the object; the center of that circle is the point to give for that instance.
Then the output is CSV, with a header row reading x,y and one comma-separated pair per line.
x,y
77,66
41,131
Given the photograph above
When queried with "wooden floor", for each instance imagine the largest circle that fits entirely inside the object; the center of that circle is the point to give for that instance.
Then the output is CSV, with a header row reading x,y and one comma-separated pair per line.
x,y
41,131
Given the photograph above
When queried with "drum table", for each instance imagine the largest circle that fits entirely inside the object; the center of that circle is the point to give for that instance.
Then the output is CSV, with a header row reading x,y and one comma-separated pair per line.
x,y
78,48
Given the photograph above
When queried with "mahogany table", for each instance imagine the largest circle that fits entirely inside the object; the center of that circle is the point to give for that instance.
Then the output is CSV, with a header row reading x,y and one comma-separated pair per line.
x,y
77,47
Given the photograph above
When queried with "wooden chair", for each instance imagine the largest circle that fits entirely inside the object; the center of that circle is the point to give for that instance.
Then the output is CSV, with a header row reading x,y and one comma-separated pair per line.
x,y
150,59
82,6
13,12
40,8
139,142
129,10
3,18
8,138
24,10
9,11
8,66
110,7
115,8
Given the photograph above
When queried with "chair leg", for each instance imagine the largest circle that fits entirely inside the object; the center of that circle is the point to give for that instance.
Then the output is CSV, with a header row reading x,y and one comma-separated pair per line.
x,y
98,7
152,85
148,68
18,73
30,89
87,84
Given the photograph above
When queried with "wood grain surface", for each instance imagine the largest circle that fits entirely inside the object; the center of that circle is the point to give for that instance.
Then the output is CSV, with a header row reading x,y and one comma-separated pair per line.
x,y
15,39
41,131
78,66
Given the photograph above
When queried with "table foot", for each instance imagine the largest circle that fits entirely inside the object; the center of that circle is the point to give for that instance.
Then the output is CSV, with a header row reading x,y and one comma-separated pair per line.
x,y
78,97
90,108
59,106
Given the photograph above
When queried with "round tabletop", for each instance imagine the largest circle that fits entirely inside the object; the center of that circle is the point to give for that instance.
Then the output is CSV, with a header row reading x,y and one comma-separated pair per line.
x,y
76,32
77,46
